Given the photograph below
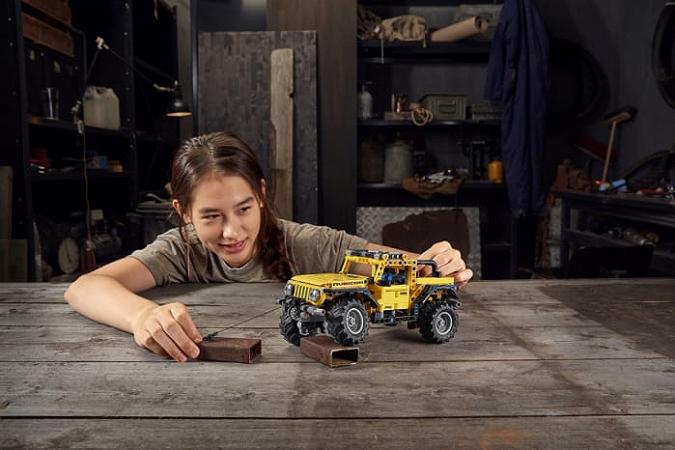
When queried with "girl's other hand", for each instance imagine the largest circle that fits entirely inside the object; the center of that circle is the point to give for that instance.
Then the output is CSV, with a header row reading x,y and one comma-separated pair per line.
x,y
449,261
168,330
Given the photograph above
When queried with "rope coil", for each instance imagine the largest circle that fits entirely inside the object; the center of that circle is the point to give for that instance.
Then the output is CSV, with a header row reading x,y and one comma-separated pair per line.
x,y
420,116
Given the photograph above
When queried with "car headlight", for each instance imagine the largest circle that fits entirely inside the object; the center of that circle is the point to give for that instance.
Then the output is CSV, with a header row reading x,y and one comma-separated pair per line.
x,y
288,289
314,295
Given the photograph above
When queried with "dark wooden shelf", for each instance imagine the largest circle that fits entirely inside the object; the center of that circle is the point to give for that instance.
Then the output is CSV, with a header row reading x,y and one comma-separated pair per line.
x,y
661,260
470,193
77,176
433,124
48,18
413,52
58,192
594,239
467,184
496,246
425,2
41,122
622,203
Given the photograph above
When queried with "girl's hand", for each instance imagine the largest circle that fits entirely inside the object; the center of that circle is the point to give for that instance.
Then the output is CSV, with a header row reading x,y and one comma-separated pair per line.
x,y
168,330
449,262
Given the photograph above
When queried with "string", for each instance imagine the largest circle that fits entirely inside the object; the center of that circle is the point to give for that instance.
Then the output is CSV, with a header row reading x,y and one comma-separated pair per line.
x,y
210,336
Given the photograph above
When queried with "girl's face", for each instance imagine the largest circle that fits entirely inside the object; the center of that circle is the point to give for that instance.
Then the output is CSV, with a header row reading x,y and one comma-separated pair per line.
x,y
226,215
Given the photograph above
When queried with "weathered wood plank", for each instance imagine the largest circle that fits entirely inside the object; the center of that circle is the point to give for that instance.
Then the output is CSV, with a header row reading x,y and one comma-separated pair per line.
x,y
438,389
234,95
651,318
335,22
99,343
644,290
508,315
530,292
254,298
281,133
253,312
600,432
585,350
215,316
190,294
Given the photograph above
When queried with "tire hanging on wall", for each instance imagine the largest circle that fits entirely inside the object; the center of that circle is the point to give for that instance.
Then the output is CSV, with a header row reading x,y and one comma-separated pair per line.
x,y
662,53
579,89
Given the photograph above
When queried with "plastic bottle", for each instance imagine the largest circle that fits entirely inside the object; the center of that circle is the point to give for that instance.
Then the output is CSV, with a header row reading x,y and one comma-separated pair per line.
x,y
101,108
371,161
365,102
397,161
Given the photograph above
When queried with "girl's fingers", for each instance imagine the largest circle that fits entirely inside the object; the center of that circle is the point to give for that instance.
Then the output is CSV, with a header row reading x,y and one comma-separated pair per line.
x,y
154,347
175,332
157,333
180,313
144,339
463,277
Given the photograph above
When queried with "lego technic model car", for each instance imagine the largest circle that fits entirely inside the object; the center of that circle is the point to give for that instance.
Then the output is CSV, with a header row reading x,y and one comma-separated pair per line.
x,y
342,304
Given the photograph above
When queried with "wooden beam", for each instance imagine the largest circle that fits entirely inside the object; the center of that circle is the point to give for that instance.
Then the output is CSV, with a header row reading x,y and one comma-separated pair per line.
x,y
281,133
335,23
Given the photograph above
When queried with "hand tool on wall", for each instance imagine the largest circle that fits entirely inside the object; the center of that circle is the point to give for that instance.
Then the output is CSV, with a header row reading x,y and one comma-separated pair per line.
x,y
613,119
593,150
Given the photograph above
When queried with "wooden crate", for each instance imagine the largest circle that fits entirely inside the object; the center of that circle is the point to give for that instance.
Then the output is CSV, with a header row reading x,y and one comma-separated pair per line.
x,y
57,9
44,34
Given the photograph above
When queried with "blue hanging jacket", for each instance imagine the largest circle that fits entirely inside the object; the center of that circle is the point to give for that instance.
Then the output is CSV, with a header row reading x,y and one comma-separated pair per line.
x,y
517,76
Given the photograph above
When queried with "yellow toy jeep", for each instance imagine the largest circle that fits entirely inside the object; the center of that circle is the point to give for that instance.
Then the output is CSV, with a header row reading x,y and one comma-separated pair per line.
x,y
342,304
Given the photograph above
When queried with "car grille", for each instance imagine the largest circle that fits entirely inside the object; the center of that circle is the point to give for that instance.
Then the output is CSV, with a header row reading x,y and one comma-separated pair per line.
x,y
301,292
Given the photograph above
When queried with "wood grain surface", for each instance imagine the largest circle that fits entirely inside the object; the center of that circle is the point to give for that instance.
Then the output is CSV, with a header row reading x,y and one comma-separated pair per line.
x,y
535,364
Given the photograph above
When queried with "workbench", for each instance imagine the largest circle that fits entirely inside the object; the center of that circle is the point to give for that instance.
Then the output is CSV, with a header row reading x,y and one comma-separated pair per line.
x,y
633,209
535,364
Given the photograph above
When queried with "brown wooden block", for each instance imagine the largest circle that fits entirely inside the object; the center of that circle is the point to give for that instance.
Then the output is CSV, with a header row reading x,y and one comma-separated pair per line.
x,y
325,350
57,9
242,350
45,34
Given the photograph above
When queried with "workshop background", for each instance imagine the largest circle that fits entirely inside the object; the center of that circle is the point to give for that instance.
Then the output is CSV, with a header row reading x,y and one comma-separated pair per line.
x,y
383,129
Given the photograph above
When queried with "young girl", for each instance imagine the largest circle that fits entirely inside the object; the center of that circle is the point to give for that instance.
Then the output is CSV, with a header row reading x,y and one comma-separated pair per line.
x,y
227,233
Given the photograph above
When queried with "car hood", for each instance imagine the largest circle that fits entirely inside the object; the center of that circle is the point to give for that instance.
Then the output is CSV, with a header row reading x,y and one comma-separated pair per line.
x,y
332,280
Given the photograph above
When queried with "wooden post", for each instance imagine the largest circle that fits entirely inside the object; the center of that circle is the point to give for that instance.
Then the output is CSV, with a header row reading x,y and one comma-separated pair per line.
x,y
608,156
281,135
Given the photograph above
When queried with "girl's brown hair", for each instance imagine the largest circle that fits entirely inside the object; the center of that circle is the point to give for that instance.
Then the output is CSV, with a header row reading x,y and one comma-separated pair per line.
x,y
226,154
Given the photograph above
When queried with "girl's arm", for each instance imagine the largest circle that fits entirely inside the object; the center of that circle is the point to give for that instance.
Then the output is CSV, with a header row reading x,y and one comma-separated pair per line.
x,y
108,295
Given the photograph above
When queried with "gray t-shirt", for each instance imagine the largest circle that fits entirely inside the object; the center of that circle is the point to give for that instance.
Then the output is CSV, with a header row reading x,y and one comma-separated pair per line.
x,y
312,248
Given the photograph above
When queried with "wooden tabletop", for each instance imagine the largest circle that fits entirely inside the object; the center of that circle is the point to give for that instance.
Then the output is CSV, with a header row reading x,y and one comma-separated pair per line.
x,y
535,364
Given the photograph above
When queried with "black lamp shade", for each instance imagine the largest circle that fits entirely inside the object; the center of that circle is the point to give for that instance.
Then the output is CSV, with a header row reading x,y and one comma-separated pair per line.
x,y
178,107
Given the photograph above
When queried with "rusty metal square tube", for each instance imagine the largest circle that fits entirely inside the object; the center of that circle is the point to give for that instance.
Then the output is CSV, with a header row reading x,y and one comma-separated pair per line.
x,y
325,350
225,349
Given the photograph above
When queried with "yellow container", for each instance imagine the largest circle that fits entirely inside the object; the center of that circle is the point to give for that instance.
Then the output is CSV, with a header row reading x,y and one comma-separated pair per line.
x,y
496,171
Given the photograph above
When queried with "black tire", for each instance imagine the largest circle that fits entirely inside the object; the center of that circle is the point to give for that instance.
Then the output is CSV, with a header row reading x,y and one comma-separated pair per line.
x,y
438,322
663,64
288,323
348,322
